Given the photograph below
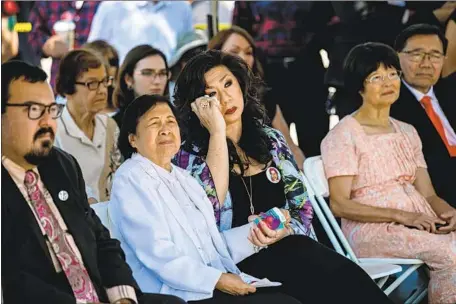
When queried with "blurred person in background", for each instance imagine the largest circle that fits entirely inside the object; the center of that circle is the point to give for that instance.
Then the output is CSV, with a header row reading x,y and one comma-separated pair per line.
x,y
18,13
238,42
288,37
449,66
126,24
189,45
427,102
91,137
202,8
109,53
10,38
43,39
144,71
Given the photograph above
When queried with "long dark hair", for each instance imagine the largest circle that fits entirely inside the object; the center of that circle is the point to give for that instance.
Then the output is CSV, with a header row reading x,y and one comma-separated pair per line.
x,y
191,84
123,96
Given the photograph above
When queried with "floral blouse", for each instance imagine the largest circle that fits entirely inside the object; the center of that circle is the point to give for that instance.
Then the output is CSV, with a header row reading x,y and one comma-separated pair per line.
x,y
297,200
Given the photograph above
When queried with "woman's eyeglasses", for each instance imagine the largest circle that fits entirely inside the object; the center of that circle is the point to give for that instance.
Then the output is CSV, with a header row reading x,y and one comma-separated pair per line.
x,y
93,85
162,75
36,110
378,79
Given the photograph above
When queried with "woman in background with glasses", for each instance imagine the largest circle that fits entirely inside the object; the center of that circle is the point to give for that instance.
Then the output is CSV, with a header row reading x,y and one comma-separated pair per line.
x,y
111,57
91,137
143,71
378,179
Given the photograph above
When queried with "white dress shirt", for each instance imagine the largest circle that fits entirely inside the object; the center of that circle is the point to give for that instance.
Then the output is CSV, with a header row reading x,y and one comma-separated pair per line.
x,y
449,132
126,24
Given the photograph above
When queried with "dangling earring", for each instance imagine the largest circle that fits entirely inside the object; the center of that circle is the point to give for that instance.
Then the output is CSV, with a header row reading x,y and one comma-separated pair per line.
x,y
129,87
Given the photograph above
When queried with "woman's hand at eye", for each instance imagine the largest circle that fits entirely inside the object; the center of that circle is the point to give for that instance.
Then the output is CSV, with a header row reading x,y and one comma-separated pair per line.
x,y
209,113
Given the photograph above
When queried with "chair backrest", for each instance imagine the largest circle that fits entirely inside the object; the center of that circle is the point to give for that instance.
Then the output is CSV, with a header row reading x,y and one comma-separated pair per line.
x,y
315,173
101,209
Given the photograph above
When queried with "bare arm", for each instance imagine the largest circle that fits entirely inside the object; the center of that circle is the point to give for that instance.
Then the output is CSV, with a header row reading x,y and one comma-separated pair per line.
x,y
218,162
10,41
424,186
281,124
217,159
343,206
449,66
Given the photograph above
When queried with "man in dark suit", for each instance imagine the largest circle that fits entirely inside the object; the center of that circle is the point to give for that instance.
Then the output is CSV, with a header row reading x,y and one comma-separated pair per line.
x,y
54,247
428,102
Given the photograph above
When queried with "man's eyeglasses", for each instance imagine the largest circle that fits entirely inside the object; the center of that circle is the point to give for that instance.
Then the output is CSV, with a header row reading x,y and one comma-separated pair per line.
x,y
378,79
162,75
36,110
418,56
93,85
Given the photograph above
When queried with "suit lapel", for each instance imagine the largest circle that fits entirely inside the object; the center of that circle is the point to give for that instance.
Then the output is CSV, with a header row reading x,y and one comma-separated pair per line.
x,y
18,205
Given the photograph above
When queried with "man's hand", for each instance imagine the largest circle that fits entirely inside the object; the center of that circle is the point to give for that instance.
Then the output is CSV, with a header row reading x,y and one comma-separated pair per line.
x,y
232,284
450,218
55,47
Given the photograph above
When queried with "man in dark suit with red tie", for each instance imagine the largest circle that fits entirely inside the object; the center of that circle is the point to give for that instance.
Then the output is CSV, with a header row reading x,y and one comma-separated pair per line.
x,y
428,102
54,247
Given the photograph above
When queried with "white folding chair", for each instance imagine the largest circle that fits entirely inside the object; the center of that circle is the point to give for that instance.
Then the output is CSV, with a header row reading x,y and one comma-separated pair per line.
x,y
315,177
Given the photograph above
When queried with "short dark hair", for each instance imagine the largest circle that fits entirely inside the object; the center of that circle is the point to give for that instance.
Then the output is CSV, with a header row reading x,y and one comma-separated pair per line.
x,y
362,60
122,95
105,49
217,42
16,69
135,110
419,29
73,65
191,84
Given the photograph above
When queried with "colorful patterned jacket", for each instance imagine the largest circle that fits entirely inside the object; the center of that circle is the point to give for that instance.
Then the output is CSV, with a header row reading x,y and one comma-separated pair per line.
x,y
297,200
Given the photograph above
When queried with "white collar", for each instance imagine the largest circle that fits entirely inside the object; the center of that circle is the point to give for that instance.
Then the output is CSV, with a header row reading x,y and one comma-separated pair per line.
x,y
72,128
162,173
418,95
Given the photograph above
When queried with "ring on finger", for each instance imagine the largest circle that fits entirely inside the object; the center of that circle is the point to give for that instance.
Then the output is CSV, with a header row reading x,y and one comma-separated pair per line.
x,y
204,104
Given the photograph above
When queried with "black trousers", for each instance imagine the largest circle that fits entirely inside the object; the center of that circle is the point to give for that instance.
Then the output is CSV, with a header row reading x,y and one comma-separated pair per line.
x,y
262,296
149,298
313,273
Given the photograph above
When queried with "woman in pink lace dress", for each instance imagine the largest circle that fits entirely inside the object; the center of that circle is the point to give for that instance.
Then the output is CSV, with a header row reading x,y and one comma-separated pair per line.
x,y
378,178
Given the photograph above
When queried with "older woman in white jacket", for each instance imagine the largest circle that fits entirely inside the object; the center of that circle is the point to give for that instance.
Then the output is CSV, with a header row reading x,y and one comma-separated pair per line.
x,y
165,221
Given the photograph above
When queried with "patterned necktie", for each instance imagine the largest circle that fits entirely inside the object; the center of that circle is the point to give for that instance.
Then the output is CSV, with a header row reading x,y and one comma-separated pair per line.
x,y
75,271
438,125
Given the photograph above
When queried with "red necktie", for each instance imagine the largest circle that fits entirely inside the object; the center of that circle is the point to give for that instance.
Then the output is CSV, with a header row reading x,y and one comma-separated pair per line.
x,y
426,101
75,271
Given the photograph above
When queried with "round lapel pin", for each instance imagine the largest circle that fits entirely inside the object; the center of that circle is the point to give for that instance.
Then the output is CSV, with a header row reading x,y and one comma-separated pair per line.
x,y
63,195
273,175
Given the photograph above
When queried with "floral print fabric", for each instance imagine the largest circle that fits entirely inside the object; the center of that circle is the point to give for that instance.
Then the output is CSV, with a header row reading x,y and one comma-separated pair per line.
x,y
297,200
